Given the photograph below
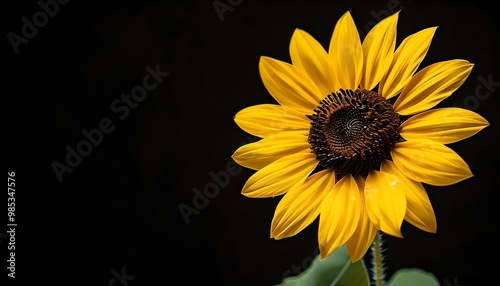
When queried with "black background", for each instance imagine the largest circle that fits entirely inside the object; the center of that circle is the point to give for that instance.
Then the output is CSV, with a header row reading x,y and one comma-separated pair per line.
x,y
119,207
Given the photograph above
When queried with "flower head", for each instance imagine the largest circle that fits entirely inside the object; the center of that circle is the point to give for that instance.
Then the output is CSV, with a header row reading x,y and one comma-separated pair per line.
x,y
354,135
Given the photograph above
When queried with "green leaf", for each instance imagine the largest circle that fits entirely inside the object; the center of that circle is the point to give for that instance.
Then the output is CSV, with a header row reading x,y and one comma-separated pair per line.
x,y
335,270
413,277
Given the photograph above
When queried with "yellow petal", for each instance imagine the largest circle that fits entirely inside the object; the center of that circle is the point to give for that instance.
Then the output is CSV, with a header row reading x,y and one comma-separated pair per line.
x,y
276,178
363,236
339,215
431,85
407,58
269,119
289,85
378,51
430,162
265,151
309,55
419,210
385,202
444,125
301,205
346,52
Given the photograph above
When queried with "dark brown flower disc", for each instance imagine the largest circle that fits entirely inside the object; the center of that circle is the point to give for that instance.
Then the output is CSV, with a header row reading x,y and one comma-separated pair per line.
x,y
352,131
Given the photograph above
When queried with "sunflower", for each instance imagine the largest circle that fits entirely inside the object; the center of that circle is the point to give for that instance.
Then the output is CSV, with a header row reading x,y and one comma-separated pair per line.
x,y
355,135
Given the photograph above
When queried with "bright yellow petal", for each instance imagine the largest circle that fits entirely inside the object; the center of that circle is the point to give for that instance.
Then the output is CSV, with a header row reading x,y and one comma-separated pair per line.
x,y
278,177
269,119
431,85
363,236
407,58
430,162
346,52
339,216
419,210
301,205
385,201
289,85
444,125
309,55
378,51
265,151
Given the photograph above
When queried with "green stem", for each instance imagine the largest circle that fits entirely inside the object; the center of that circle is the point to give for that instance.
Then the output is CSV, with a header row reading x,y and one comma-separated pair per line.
x,y
378,261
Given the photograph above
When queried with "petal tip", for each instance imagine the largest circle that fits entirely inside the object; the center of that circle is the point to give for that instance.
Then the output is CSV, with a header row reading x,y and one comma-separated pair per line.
x,y
356,259
271,234
397,234
322,256
432,29
264,60
323,252
393,232
247,193
429,228
279,237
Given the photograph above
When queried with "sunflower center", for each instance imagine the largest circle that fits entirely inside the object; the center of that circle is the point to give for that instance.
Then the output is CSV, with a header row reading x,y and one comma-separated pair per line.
x,y
352,131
